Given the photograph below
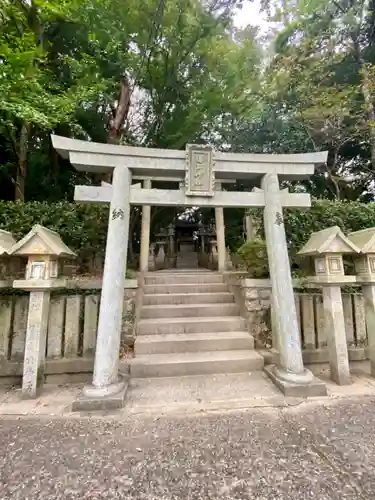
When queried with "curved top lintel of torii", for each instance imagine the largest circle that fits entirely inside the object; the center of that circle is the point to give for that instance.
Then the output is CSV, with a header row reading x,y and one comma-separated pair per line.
x,y
102,158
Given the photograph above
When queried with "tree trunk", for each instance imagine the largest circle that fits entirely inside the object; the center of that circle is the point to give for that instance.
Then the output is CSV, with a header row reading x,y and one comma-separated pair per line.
x,y
134,217
330,167
121,113
120,116
22,163
369,105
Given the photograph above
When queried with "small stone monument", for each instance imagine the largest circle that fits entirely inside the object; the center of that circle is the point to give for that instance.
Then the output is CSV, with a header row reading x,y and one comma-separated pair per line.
x,y
326,248
213,255
228,260
172,256
161,244
44,250
365,268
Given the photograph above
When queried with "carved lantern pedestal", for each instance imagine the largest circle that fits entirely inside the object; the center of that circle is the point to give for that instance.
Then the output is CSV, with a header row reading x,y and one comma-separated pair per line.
x,y
44,250
326,248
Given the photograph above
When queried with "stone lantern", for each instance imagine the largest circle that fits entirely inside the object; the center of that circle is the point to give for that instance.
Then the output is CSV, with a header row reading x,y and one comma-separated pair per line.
x,y
365,268
44,250
8,265
161,244
365,261
172,256
326,248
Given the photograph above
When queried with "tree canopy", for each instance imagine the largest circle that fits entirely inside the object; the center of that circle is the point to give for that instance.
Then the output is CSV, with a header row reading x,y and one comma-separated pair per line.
x,y
163,73
155,73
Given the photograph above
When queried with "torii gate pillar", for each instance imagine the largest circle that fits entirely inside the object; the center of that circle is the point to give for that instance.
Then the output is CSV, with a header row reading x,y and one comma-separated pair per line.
x,y
289,375
108,389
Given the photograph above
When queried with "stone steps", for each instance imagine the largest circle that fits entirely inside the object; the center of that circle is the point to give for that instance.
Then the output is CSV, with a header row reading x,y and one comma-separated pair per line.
x,y
182,278
187,261
196,363
190,325
187,298
184,288
189,311
193,342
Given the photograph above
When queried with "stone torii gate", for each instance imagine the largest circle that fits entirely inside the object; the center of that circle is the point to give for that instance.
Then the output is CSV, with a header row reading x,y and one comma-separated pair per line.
x,y
200,172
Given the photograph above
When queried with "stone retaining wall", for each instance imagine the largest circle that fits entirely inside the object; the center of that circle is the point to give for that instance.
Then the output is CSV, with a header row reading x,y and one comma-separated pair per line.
x,y
254,298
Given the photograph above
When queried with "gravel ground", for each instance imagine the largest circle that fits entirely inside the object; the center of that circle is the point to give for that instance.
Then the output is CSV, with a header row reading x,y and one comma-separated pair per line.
x,y
312,451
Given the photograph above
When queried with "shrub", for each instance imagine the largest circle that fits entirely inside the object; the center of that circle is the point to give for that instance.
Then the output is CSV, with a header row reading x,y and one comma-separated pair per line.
x,y
254,255
83,227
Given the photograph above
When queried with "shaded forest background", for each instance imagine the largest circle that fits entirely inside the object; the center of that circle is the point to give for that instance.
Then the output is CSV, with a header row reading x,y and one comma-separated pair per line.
x,y
163,73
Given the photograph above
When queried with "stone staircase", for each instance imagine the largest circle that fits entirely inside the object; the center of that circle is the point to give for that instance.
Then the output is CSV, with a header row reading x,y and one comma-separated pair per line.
x,y
187,257
190,325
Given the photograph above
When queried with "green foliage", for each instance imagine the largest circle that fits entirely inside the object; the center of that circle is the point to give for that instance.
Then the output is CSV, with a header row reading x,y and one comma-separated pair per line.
x,y
82,227
64,63
254,255
317,93
300,223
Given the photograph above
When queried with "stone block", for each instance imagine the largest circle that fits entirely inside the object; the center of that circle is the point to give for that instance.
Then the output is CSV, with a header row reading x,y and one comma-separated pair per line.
x,y
68,378
253,305
265,294
360,320
72,325
52,367
5,325
265,304
128,317
348,318
19,327
55,327
268,356
77,365
252,293
312,388
308,321
312,356
112,402
90,323
320,321
357,353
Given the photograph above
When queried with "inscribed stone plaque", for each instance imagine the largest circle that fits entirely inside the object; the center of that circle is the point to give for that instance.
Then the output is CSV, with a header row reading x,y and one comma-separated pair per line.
x,y
199,170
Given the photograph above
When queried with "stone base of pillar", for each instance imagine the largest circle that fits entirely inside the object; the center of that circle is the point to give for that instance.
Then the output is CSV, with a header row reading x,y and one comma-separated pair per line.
x,y
303,386
106,398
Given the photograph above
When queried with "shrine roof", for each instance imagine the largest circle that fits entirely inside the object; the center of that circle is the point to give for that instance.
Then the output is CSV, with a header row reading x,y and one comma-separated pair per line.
x,y
329,240
41,241
364,239
6,242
